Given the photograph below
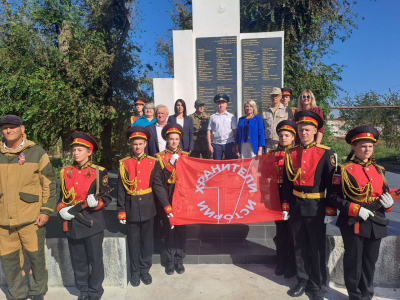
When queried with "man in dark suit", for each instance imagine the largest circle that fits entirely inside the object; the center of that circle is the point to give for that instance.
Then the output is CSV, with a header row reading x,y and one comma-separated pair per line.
x,y
156,143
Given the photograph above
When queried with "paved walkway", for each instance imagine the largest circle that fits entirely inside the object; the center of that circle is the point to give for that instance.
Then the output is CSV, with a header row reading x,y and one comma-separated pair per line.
x,y
211,282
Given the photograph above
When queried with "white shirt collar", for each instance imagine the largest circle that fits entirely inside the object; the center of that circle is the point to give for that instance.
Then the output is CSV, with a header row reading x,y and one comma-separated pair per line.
x,y
9,149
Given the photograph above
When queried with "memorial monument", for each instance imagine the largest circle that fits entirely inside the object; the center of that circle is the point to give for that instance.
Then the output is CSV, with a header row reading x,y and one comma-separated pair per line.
x,y
214,57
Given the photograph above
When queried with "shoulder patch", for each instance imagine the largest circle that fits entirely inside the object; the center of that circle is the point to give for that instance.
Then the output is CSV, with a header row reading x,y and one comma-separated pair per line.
x,y
93,166
333,160
380,167
323,147
151,157
105,180
184,152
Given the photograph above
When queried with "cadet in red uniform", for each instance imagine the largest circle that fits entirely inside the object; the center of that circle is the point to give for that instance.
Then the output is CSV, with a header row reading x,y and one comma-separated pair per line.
x,y
174,238
140,177
139,104
309,172
284,241
358,183
80,182
286,94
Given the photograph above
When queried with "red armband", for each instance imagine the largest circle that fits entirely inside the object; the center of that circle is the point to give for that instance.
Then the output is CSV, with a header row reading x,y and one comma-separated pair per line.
x,y
60,205
388,209
168,209
122,216
330,211
285,206
354,209
100,205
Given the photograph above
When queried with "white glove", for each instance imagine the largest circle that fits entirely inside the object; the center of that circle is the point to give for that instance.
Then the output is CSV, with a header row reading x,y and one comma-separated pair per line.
x,y
123,222
386,200
174,158
65,214
91,201
364,213
328,219
286,215
170,215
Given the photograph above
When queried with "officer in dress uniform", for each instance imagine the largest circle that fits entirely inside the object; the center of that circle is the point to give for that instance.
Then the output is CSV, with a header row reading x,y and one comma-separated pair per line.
x,y
309,169
284,241
81,182
140,177
286,94
175,238
358,183
139,104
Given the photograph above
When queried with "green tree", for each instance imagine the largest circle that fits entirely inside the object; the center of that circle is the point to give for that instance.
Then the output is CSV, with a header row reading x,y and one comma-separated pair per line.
x,y
387,120
69,65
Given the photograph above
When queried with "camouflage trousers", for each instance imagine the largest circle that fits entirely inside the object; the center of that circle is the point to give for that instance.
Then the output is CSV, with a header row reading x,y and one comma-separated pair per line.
x,y
31,238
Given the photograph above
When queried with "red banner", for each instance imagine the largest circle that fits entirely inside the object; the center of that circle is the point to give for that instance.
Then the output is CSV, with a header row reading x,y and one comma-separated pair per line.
x,y
226,192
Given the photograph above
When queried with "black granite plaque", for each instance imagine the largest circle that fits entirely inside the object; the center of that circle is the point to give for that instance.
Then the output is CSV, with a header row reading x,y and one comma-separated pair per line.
x,y
217,71
261,69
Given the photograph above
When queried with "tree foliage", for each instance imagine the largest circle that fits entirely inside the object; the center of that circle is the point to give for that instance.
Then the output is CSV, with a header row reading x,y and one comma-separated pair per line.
x,y
68,65
387,120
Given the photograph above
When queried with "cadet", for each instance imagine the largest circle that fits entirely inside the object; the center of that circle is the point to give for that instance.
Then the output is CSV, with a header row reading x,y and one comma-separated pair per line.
x,y
200,122
309,172
286,94
83,181
174,238
284,241
140,177
27,198
139,104
358,184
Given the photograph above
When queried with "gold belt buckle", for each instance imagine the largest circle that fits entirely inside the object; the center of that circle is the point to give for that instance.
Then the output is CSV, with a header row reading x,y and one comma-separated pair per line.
x,y
303,195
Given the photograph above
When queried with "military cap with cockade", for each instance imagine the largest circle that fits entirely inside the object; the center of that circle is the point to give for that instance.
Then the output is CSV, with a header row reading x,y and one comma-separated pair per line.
x,y
83,139
309,117
171,128
221,98
286,125
138,132
364,132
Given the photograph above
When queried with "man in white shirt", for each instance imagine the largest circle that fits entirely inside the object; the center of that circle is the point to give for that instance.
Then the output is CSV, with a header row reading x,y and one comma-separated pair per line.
x,y
157,143
221,130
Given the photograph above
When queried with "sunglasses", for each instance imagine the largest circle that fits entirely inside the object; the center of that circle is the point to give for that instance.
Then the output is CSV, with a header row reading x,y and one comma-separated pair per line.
x,y
306,97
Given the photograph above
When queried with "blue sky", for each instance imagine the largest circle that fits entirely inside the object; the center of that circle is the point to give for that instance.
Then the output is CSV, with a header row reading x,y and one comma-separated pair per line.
x,y
371,55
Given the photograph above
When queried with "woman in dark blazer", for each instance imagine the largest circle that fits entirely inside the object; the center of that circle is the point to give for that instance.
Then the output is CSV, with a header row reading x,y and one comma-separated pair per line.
x,y
186,122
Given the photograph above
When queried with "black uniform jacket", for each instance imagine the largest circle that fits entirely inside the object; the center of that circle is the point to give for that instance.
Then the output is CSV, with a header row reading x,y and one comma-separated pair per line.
x,y
348,198
168,175
308,169
77,188
138,179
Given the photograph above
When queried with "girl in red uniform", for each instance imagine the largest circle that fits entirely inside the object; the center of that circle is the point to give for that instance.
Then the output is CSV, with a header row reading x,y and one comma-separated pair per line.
x,y
357,184
81,182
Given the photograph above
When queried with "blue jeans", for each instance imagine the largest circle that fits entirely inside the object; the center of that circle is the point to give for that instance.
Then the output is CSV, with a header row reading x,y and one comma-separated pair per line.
x,y
220,149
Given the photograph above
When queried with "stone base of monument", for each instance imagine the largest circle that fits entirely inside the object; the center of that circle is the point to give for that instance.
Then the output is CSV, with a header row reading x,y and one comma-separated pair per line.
x,y
213,244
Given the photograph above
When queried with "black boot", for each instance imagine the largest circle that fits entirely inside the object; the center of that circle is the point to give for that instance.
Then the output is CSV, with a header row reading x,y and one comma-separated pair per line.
x,y
280,269
169,269
297,291
146,278
180,269
135,280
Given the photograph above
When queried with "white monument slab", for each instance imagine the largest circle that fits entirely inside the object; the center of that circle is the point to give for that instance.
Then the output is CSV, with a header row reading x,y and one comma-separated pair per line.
x,y
215,58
